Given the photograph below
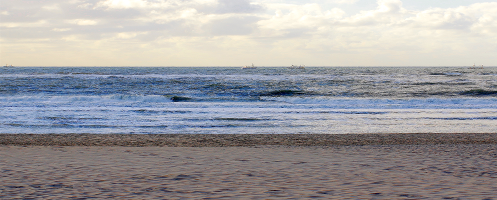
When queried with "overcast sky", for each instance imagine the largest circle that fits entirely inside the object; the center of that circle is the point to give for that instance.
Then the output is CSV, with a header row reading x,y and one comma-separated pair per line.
x,y
242,32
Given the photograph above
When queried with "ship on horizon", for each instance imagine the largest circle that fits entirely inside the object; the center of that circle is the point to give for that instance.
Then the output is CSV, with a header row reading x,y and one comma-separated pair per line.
x,y
249,67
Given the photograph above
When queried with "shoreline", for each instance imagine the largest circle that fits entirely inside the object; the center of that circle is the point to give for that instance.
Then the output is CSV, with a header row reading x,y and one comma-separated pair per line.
x,y
243,140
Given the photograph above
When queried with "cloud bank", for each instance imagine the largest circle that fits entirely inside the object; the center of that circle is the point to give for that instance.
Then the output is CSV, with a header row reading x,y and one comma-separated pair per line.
x,y
237,32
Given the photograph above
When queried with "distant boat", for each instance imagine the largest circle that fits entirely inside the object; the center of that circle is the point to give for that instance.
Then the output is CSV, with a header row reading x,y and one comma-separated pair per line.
x,y
475,67
249,67
8,65
297,67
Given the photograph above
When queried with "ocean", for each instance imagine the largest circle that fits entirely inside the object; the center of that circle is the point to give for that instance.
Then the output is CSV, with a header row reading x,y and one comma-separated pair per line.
x,y
231,100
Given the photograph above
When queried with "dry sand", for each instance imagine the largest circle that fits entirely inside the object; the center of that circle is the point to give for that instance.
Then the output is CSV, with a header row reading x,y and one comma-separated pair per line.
x,y
354,166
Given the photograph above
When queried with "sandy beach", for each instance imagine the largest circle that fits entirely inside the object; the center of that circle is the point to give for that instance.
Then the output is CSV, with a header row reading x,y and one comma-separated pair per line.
x,y
369,166
225,140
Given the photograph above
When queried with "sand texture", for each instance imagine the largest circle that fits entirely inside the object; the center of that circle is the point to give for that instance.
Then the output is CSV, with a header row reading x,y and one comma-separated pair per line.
x,y
223,140
447,171
353,166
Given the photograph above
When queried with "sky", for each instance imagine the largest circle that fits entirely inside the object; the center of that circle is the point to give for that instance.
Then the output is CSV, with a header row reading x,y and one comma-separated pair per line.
x,y
242,32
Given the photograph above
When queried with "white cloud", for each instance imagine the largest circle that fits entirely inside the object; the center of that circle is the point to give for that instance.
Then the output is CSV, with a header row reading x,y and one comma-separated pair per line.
x,y
147,4
344,1
83,22
40,23
308,16
318,32
478,18
61,29
441,19
129,35
485,15
390,6
123,4
387,12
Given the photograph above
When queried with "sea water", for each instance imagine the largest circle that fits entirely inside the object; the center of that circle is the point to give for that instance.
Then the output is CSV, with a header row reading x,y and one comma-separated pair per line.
x,y
231,100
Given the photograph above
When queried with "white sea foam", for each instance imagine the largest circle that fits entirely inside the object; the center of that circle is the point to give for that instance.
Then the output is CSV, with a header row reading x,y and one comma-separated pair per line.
x,y
230,100
432,103
115,115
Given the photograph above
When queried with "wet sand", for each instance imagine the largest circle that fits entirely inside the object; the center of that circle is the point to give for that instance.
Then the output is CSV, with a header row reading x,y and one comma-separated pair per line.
x,y
354,166
224,140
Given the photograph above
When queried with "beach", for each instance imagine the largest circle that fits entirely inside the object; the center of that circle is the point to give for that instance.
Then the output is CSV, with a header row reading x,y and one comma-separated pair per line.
x,y
203,166
248,99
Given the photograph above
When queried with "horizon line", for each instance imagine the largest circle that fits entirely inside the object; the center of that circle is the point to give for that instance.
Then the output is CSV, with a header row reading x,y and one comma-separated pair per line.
x,y
261,66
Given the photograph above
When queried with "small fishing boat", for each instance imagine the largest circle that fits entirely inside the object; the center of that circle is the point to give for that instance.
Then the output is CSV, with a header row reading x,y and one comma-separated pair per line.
x,y
6,65
249,67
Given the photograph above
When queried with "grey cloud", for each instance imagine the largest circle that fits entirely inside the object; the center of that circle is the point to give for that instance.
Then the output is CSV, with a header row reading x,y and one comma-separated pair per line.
x,y
438,19
37,10
176,28
295,33
458,22
392,6
232,26
30,33
23,21
29,12
237,6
